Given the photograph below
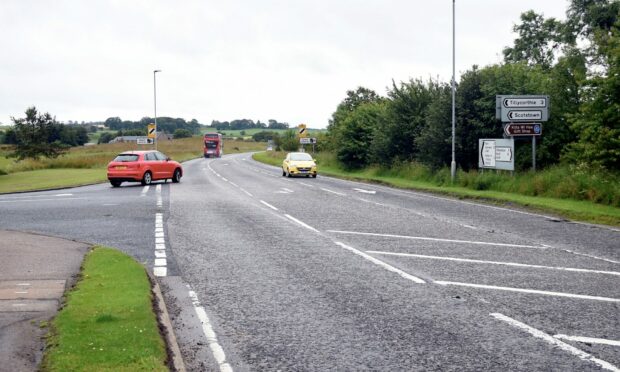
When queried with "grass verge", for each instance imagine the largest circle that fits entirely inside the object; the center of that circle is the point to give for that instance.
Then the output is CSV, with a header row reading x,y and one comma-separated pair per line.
x,y
107,323
578,210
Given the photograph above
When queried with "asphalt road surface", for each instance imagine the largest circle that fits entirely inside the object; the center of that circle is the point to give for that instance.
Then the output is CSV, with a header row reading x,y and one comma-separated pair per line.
x,y
263,272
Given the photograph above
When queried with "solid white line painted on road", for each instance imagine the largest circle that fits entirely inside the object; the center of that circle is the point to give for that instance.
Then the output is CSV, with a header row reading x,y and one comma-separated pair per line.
x,y
21,292
159,234
145,189
160,253
301,223
63,195
159,229
333,192
207,329
436,239
386,266
590,256
160,271
365,191
160,246
234,184
529,291
563,346
24,284
496,263
588,340
269,205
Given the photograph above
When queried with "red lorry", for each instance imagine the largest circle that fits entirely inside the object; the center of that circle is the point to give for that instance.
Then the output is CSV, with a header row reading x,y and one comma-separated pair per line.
x,y
214,145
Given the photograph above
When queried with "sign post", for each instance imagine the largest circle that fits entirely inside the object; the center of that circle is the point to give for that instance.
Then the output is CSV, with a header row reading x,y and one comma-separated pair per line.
x,y
496,153
518,112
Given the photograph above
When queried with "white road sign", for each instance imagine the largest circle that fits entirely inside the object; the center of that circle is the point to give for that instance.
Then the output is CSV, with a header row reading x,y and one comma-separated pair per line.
x,y
511,109
518,115
496,153
144,141
524,102
305,140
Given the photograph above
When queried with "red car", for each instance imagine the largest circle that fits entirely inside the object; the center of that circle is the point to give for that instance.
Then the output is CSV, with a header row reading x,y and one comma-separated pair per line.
x,y
143,166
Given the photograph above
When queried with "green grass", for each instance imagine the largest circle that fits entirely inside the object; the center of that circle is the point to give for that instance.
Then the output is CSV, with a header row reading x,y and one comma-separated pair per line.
x,y
108,323
87,165
438,182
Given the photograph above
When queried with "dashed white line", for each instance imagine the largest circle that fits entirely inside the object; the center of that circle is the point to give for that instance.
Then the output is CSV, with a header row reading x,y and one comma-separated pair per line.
x,y
333,192
160,271
246,192
269,205
234,184
160,241
160,262
159,234
307,185
555,342
436,239
529,291
160,253
207,329
386,266
160,246
224,179
63,195
496,263
588,340
158,189
145,189
365,191
301,223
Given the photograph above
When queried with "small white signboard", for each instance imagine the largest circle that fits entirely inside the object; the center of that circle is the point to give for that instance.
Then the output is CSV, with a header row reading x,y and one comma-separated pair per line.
x,y
144,141
496,153
305,140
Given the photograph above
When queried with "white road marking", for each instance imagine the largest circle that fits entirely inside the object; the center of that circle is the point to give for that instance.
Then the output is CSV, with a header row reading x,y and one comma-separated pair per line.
x,y
287,190
159,234
563,346
269,205
158,189
160,262
333,192
530,291
207,329
496,263
160,241
436,239
374,202
21,292
24,284
159,229
145,189
590,256
365,191
63,195
160,246
160,253
234,184
109,205
224,179
469,226
588,340
386,266
307,184
160,271
247,193
301,223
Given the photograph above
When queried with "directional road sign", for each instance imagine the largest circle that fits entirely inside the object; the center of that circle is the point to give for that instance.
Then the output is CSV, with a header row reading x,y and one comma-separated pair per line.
x,y
522,108
305,141
144,141
151,131
523,129
496,153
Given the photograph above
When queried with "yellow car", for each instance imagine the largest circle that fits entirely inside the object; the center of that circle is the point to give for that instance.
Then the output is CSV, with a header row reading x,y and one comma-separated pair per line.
x,y
299,164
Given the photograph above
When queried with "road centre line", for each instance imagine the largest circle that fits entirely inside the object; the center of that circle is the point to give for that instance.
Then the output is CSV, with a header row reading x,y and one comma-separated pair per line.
x,y
38,200
301,223
386,266
555,342
269,205
246,192
529,291
207,329
333,192
234,184
588,340
436,239
496,263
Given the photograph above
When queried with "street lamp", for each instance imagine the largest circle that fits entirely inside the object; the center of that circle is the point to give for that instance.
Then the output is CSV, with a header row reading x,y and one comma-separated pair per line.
x,y
453,164
155,103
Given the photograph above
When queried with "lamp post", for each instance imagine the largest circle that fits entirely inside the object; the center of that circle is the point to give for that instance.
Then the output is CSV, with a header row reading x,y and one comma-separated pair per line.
x,y
453,164
155,103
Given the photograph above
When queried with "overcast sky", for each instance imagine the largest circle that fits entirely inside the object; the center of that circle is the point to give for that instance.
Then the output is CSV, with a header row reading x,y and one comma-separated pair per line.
x,y
224,59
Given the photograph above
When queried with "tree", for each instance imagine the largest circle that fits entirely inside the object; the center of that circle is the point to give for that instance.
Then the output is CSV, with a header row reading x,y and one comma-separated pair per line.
x,y
106,137
33,134
182,133
356,134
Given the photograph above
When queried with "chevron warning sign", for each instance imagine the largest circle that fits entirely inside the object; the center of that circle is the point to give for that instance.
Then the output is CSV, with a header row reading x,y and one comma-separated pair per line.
x,y
151,131
303,133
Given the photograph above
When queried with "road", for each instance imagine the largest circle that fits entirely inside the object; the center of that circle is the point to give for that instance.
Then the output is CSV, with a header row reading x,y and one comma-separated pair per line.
x,y
263,272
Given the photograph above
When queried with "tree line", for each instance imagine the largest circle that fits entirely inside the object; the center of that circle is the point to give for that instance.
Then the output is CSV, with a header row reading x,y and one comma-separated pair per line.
x,y
576,62
164,123
240,124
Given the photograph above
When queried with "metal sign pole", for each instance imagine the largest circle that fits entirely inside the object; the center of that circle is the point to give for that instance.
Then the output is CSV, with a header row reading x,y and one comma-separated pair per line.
x,y
534,153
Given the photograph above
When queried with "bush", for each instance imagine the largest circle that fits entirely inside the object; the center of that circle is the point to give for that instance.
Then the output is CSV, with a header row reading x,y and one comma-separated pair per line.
x,y
182,133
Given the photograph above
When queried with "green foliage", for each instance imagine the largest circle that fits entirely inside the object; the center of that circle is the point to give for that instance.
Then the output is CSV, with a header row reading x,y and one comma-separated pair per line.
x,y
356,133
287,142
264,136
164,124
35,136
182,133
106,137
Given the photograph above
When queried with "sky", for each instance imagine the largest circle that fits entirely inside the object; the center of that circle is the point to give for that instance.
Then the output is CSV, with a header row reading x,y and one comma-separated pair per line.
x,y
292,61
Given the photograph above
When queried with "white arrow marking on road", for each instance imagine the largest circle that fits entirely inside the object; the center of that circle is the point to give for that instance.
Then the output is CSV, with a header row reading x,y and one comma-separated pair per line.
x,y
564,346
365,191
